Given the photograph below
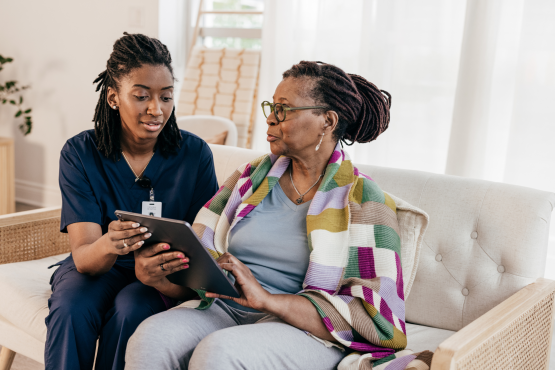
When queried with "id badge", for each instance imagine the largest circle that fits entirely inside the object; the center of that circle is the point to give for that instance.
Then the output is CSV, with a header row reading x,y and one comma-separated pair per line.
x,y
152,209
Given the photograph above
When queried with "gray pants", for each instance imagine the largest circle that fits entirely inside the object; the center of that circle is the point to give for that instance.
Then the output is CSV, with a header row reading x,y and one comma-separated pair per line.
x,y
223,337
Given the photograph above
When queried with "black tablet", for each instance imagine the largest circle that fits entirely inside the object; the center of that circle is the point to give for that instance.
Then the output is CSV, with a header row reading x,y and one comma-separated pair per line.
x,y
203,272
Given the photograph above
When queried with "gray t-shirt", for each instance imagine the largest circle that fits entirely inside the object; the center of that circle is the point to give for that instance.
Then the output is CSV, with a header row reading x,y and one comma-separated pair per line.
x,y
272,242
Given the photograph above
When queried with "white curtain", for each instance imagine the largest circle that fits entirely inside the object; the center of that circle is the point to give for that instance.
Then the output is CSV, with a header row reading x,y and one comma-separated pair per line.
x,y
473,82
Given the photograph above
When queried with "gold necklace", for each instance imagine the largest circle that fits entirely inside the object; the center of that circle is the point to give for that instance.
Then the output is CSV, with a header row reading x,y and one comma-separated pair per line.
x,y
301,196
129,164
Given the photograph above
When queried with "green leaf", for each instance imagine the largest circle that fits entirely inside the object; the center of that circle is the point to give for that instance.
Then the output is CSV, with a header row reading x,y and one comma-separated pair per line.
x,y
18,113
4,101
20,99
28,111
13,102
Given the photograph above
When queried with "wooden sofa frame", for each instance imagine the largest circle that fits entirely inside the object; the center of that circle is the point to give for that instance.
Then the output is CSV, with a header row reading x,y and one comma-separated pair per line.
x,y
516,334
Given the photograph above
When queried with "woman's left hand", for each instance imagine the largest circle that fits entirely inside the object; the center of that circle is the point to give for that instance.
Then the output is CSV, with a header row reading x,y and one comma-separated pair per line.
x,y
252,293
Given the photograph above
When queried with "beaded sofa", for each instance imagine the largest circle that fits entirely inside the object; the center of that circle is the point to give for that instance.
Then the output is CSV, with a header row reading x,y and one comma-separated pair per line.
x,y
479,299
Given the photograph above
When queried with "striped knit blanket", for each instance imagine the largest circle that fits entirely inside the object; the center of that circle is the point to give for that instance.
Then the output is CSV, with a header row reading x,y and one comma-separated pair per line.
x,y
354,277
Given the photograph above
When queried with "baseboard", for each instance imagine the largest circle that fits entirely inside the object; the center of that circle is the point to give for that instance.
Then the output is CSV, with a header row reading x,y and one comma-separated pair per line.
x,y
35,194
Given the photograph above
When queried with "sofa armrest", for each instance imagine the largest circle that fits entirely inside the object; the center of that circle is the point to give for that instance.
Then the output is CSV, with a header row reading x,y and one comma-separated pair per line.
x,y
31,235
515,334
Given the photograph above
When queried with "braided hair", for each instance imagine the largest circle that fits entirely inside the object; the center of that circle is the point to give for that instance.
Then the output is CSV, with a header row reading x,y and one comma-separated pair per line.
x,y
130,52
362,108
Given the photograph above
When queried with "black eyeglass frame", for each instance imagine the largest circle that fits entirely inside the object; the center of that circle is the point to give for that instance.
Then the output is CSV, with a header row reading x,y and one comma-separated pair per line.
x,y
285,109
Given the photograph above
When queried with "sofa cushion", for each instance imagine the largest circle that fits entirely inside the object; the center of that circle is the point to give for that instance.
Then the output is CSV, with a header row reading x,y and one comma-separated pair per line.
x,y
25,289
421,338
413,223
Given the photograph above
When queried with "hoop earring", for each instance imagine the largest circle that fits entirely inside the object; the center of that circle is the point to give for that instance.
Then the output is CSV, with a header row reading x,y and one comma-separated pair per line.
x,y
320,143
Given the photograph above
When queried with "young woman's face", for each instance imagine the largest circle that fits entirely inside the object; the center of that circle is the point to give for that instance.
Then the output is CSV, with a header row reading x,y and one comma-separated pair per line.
x,y
144,101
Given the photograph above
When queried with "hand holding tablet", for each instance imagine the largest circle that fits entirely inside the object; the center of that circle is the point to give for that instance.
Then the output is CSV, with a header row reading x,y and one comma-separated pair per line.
x,y
203,272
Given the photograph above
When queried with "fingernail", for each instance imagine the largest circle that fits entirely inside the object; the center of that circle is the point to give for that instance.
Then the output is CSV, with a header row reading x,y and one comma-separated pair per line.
x,y
148,235
166,246
185,267
184,260
136,225
141,242
143,229
179,256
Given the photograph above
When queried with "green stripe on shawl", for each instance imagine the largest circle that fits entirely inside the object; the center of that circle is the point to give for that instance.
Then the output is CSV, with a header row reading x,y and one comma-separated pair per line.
x,y
352,269
372,192
386,237
331,219
262,169
218,203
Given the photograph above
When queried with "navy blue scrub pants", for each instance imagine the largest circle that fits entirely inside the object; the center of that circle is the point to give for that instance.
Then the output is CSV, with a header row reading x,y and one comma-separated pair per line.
x,y
84,308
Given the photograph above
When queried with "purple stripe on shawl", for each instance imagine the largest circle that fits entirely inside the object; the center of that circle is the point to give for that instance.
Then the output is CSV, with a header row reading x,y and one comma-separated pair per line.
x,y
356,172
245,211
279,167
400,363
343,156
345,290
207,239
310,287
368,296
245,187
376,351
335,156
385,311
324,277
328,323
337,198
403,327
246,172
366,267
388,293
273,158
400,284
345,298
231,206
346,335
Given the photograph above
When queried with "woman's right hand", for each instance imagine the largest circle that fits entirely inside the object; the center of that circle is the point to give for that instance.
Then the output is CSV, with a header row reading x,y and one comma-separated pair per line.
x,y
125,236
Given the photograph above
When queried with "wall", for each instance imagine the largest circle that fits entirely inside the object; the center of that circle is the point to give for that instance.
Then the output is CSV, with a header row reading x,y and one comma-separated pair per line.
x,y
59,47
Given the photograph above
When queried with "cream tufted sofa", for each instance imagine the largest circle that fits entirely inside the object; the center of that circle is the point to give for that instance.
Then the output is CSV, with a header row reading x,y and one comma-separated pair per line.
x,y
478,300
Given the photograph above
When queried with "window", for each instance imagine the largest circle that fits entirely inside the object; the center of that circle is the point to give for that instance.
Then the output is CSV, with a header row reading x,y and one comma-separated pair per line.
x,y
232,30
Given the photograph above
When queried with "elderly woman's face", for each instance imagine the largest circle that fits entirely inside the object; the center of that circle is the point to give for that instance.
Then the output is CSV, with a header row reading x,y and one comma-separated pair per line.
x,y
145,101
301,130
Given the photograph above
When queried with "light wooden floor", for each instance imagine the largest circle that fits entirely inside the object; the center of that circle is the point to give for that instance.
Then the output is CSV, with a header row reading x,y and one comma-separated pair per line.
x,y
25,363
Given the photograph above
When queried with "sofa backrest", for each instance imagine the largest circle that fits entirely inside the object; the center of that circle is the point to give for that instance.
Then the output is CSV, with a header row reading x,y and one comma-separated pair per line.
x,y
485,240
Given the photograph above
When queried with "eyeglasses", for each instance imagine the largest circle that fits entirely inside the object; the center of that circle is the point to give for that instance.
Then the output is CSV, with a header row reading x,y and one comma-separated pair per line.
x,y
144,182
280,110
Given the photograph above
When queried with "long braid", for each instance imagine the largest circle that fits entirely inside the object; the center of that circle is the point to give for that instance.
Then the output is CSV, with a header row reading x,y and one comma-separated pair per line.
x,y
362,108
130,52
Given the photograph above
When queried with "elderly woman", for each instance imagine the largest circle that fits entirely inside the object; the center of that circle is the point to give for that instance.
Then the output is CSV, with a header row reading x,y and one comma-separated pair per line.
x,y
312,244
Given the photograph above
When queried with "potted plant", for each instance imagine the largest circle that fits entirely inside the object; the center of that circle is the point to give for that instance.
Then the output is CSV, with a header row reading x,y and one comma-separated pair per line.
x,y
11,95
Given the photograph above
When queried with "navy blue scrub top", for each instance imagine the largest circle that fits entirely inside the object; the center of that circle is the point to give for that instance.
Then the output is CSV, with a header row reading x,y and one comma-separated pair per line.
x,y
93,187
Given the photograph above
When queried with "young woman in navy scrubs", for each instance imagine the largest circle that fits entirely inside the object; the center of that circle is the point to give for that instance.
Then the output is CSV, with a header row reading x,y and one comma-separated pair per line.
x,y
135,154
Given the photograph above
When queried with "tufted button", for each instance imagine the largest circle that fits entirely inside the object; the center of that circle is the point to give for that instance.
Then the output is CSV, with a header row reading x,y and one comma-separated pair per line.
x,y
465,292
438,257
474,235
501,269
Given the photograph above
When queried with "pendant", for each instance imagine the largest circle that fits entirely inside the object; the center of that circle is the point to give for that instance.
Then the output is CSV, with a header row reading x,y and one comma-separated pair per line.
x,y
300,200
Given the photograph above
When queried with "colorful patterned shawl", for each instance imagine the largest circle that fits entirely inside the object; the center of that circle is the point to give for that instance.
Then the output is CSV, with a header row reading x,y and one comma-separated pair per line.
x,y
354,277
